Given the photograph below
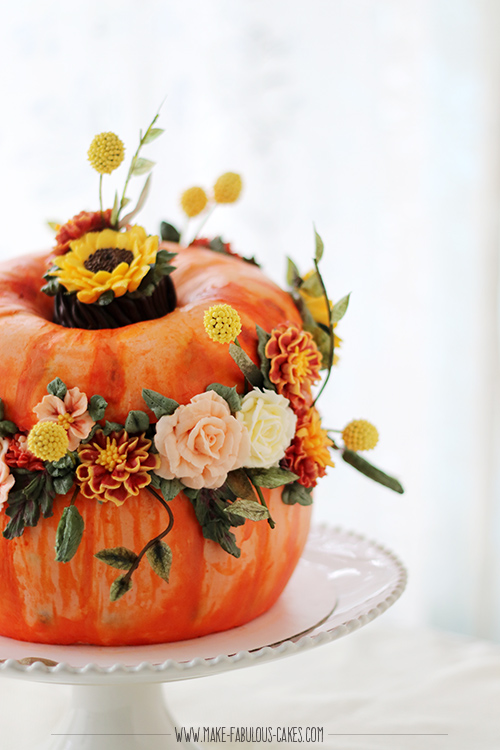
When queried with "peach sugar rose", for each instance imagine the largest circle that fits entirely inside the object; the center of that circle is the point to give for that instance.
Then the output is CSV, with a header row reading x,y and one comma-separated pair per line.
x,y
201,442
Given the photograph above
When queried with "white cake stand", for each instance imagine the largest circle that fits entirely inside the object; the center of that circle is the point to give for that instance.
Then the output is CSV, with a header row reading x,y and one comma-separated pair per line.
x,y
342,582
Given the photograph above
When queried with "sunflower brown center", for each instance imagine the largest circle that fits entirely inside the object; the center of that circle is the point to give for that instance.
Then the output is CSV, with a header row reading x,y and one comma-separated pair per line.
x,y
107,259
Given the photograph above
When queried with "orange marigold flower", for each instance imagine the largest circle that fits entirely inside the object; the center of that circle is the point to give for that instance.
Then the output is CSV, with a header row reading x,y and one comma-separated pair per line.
x,y
308,455
19,455
295,362
85,221
115,467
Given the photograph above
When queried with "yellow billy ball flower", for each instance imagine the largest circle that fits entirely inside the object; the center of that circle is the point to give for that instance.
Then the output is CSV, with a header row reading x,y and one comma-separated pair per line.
x,y
193,201
360,435
48,441
222,323
227,189
106,153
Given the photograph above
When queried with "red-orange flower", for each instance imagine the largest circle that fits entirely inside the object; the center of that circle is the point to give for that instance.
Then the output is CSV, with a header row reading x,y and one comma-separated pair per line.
x,y
115,467
308,455
85,221
295,362
20,457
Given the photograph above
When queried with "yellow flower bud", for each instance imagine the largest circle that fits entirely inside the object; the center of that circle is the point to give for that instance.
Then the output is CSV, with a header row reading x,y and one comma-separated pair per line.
x,y
222,323
106,153
227,189
193,201
360,435
48,441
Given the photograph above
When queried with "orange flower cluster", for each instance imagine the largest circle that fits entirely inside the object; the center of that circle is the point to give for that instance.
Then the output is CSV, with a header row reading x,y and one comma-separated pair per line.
x,y
295,363
308,455
115,467
85,221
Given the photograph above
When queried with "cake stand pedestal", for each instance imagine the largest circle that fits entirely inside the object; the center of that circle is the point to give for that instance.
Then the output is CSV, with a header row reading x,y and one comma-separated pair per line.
x,y
342,582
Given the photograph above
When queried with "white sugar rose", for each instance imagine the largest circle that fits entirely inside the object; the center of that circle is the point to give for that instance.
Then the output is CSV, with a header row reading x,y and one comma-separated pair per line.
x,y
271,425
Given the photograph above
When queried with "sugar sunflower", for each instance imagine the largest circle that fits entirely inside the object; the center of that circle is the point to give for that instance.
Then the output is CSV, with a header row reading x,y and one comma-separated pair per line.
x,y
106,261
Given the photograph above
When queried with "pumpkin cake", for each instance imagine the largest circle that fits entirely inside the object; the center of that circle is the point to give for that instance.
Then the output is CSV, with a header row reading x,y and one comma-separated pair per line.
x,y
159,434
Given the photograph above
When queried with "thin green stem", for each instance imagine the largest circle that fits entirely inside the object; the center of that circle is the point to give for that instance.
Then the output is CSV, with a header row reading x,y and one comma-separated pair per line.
x,y
75,495
100,194
332,336
151,542
184,230
270,521
132,163
204,221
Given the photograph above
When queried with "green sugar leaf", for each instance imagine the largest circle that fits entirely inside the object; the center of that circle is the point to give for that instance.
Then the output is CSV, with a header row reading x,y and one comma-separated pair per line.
x,y
7,428
265,365
61,467
140,203
46,497
114,212
363,466
110,427
160,558
239,483
160,405
170,488
106,298
51,287
142,166
151,135
57,388
137,421
322,341
97,407
217,245
340,308
117,557
228,394
247,367
119,588
169,233
250,509
270,478
62,485
312,286
296,493
292,274
319,246
69,534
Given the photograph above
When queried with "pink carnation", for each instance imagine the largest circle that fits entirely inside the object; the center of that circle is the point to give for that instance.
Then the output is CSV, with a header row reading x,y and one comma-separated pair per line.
x,y
6,478
201,442
71,413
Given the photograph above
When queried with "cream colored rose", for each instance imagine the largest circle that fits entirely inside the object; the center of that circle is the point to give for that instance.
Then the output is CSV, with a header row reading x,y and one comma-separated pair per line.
x,y
201,442
6,478
271,425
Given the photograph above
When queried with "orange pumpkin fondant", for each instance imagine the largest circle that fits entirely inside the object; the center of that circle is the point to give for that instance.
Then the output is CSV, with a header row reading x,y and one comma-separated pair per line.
x,y
209,590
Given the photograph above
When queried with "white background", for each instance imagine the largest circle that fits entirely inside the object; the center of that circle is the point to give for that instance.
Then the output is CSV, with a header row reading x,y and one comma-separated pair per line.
x,y
377,120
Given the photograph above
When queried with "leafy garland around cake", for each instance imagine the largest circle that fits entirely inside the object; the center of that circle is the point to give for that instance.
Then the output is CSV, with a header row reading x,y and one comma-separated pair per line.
x,y
269,436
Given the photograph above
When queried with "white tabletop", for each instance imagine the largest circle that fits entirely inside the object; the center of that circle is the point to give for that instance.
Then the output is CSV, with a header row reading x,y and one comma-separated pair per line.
x,y
378,689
